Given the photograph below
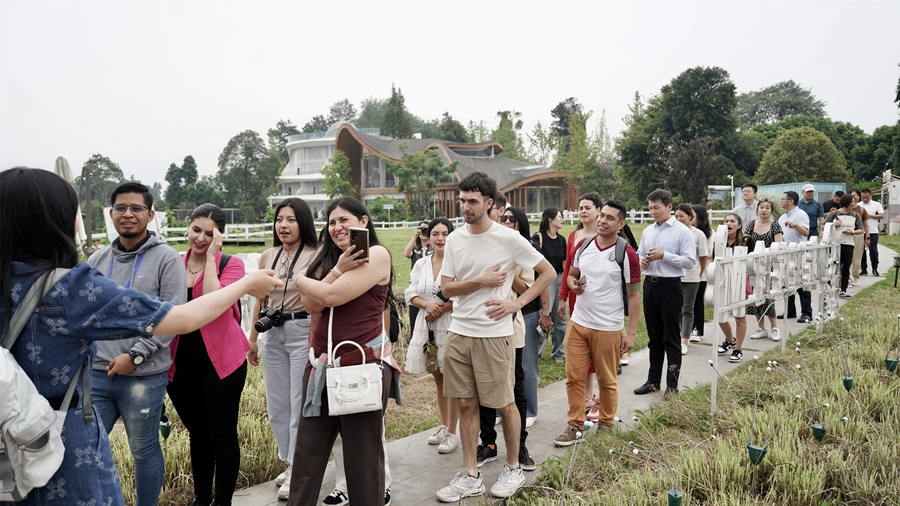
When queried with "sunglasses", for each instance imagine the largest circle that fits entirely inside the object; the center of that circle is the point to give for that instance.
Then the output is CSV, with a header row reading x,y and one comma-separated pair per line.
x,y
767,199
506,217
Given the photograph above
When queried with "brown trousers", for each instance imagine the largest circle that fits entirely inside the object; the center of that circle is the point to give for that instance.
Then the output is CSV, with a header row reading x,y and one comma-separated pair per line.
x,y
582,346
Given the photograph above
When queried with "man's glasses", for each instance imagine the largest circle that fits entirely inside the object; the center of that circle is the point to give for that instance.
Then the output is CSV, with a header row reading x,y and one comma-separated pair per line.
x,y
509,218
135,208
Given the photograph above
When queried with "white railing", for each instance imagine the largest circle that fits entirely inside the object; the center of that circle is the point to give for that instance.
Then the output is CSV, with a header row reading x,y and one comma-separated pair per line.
x,y
775,273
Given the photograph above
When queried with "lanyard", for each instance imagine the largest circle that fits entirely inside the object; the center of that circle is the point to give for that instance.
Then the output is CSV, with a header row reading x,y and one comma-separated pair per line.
x,y
137,265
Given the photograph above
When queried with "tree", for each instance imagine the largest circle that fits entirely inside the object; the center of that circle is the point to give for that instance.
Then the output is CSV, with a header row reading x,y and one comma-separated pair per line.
x,y
542,144
451,130
691,166
177,181
395,122
699,102
562,114
372,112
417,175
156,191
105,177
206,189
507,133
478,132
242,174
316,124
849,139
427,129
379,213
342,110
775,103
278,137
336,174
876,156
802,154
575,159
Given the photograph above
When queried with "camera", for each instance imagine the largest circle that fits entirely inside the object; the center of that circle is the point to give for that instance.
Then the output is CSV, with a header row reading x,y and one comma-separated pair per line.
x,y
423,230
268,318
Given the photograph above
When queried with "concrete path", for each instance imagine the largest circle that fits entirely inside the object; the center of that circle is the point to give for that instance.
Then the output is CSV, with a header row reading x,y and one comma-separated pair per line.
x,y
419,471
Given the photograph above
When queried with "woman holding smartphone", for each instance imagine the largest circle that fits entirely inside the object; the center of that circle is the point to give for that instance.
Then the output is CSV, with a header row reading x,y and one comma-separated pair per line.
x,y
419,246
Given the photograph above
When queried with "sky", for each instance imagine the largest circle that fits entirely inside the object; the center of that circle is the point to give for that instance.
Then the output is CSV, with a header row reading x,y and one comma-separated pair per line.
x,y
146,83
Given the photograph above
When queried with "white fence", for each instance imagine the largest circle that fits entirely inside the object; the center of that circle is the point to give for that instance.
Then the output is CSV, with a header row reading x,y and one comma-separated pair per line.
x,y
775,273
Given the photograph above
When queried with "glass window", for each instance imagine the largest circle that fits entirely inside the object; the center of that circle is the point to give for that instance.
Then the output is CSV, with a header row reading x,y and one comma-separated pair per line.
x,y
310,167
373,171
316,153
389,180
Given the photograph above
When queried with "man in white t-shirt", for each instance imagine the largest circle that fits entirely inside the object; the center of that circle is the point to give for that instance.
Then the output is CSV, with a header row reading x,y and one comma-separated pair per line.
x,y
596,331
795,227
479,355
876,213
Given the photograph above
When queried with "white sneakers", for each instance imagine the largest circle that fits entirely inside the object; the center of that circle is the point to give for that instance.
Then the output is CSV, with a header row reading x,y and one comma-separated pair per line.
x,y
775,335
438,436
450,443
695,337
463,485
283,481
684,349
510,480
529,421
760,333
283,476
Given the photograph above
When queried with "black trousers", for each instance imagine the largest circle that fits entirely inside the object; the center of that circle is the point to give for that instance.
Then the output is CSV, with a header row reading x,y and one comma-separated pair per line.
x,y
700,308
873,254
805,304
846,262
662,313
487,416
208,407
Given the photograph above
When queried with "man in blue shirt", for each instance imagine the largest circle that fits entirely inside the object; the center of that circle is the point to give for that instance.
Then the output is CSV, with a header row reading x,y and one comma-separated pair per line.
x,y
813,208
667,249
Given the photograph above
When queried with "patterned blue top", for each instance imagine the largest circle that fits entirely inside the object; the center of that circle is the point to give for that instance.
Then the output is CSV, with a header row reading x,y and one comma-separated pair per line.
x,y
82,308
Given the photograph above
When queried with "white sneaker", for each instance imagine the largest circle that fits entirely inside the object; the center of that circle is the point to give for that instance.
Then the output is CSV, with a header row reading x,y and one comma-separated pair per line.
x,y
760,333
775,335
497,420
438,435
529,421
463,485
450,442
684,349
623,359
510,480
283,476
285,489
695,337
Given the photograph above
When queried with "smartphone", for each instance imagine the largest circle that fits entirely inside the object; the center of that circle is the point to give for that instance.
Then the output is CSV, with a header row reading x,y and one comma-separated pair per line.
x,y
582,280
359,237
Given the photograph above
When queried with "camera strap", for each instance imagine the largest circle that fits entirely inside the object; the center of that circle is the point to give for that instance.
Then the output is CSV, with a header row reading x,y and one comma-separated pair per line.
x,y
290,274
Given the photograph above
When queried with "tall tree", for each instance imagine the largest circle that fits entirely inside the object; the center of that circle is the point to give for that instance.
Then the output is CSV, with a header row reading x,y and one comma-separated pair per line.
x,y
426,128
396,121
478,132
576,159
880,153
336,177
243,175
371,112
698,103
156,191
342,110
562,115
105,177
803,154
691,165
417,174
451,130
775,103
206,189
849,139
316,124
278,137
177,181
542,144
507,133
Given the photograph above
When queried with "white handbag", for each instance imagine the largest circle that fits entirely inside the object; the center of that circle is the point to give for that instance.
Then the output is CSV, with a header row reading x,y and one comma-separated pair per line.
x,y
354,388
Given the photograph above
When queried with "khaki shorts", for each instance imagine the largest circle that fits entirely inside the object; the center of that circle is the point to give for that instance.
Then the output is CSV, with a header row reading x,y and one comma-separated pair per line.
x,y
480,367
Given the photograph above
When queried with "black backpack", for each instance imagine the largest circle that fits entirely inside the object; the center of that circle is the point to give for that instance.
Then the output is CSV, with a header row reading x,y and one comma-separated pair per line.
x,y
621,243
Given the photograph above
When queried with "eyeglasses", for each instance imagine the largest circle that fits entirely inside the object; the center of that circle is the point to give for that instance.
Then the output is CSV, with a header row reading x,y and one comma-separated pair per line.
x,y
509,218
135,208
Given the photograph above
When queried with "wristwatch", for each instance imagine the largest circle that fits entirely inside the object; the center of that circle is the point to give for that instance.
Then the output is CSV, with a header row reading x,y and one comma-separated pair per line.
x,y
547,313
136,358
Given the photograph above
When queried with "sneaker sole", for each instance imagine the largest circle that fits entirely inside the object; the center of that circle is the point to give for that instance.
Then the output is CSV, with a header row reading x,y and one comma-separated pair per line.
x,y
758,337
735,361
563,444
503,495
460,497
528,467
692,340
444,451
485,461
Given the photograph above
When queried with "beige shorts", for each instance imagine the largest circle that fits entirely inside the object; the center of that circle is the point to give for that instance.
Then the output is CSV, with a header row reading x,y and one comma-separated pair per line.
x,y
480,367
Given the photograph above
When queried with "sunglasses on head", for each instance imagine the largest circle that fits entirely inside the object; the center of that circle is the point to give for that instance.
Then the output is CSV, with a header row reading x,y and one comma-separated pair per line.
x,y
767,199
509,218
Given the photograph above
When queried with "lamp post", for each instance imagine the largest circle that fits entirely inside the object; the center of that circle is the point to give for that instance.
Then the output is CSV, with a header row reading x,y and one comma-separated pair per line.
x,y
731,177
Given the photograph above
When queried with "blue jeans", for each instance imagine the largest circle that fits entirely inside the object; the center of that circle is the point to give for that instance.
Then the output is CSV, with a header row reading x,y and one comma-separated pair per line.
x,y
138,400
558,331
531,355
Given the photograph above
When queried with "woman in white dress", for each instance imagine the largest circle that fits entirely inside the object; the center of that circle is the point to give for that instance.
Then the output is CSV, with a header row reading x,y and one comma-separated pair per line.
x,y
431,328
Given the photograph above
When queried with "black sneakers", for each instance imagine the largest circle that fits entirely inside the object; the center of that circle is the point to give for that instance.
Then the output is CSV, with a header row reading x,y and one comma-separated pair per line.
x,y
525,459
646,388
736,356
725,346
486,454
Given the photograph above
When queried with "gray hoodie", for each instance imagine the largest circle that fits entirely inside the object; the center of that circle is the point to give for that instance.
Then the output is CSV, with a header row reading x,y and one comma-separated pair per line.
x,y
160,273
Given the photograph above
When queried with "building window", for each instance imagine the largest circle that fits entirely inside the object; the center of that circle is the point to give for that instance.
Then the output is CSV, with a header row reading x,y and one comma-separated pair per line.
x,y
373,170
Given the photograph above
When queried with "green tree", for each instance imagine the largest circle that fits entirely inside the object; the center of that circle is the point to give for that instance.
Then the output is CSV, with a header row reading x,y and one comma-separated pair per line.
x,y
206,189
336,174
371,112
243,175
849,139
417,174
105,177
316,124
396,120
278,136
451,130
400,212
507,133
563,114
691,166
342,110
576,158
802,154
156,191
879,154
478,132
775,103
699,102
542,144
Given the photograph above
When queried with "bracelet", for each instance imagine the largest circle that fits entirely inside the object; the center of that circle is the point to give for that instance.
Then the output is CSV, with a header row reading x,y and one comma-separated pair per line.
x,y
337,272
545,314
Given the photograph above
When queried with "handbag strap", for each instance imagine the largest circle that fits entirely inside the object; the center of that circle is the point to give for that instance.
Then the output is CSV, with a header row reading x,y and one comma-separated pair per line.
x,y
384,340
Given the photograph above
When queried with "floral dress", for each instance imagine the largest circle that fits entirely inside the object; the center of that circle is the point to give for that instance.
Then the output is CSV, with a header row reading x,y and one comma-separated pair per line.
x,y
767,308
82,308
422,284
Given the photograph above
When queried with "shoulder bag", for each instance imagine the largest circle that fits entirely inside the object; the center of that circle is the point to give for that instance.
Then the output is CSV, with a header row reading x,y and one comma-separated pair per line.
x,y
354,388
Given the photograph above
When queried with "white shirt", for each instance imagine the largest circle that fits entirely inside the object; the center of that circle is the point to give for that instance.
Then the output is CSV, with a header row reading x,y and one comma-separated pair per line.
x,y
746,212
692,275
600,307
797,216
872,208
468,256
676,241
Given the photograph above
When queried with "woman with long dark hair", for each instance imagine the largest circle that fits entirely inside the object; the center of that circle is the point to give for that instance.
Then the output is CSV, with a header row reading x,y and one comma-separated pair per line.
x,y
701,223
283,344
690,282
354,289
419,246
37,230
734,344
553,246
209,369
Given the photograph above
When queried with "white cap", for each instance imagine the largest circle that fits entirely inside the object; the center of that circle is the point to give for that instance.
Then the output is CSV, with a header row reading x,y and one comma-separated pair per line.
x,y
808,187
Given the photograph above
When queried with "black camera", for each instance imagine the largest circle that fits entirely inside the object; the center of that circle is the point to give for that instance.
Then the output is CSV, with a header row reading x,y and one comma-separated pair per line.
x,y
268,318
423,230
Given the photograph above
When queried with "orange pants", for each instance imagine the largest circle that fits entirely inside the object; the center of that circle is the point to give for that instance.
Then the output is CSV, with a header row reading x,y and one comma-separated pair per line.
x,y
583,346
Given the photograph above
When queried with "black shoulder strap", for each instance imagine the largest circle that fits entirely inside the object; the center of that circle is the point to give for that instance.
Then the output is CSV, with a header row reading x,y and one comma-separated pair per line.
x,y
621,243
584,244
223,261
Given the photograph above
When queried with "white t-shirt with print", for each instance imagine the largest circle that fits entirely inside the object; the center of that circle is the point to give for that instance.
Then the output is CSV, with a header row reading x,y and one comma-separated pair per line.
x,y
468,256
600,307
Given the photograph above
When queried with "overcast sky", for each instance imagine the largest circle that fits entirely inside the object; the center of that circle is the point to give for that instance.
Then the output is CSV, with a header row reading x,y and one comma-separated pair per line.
x,y
146,83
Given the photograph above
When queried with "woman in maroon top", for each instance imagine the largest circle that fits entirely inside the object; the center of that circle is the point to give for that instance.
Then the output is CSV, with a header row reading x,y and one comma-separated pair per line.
x,y
356,290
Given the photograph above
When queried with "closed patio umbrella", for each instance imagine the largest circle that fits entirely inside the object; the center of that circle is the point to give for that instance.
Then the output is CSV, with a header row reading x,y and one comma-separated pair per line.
x,y
62,170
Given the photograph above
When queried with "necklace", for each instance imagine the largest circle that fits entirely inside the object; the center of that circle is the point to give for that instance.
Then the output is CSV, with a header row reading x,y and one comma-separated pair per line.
x,y
198,271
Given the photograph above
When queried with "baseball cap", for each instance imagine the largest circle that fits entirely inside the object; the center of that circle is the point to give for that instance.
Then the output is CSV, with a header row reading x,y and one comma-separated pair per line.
x,y
808,187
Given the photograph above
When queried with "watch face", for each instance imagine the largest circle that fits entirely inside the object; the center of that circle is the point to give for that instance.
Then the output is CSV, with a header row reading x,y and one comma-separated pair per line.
x,y
136,359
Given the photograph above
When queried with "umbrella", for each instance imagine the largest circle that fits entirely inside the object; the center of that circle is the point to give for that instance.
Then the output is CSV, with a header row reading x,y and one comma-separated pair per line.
x,y
62,170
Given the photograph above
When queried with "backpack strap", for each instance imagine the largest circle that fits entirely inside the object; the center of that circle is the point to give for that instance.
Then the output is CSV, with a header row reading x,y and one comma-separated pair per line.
x,y
223,261
621,243
584,244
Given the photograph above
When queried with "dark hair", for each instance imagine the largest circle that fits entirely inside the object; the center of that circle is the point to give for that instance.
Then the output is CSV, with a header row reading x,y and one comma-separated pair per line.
x,y
750,185
37,225
212,212
500,199
593,197
686,209
549,214
304,220
856,192
615,204
664,196
793,196
625,233
440,221
132,187
846,199
329,252
839,193
521,220
480,182
866,191
702,220
419,239
739,235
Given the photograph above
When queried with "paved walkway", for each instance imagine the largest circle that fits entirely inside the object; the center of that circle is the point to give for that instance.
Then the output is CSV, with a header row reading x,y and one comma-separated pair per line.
x,y
419,471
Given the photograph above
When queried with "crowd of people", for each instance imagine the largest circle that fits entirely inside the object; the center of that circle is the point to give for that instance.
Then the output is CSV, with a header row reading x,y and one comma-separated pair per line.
x,y
487,296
